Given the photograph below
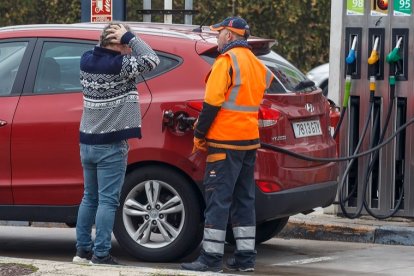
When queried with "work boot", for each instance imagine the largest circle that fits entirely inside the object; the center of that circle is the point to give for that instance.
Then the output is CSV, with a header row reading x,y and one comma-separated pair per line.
x,y
231,264
199,266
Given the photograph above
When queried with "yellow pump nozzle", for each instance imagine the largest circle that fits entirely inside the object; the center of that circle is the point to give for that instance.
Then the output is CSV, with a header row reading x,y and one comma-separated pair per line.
x,y
374,53
374,57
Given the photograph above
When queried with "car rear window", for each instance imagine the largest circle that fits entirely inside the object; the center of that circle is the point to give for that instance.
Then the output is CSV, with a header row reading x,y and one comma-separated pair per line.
x,y
287,76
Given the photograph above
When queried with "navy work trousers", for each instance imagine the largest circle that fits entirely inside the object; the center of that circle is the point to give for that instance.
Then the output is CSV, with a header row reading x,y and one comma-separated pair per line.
x,y
229,190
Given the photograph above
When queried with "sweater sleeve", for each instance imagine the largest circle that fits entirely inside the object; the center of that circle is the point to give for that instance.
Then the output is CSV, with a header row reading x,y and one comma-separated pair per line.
x,y
142,58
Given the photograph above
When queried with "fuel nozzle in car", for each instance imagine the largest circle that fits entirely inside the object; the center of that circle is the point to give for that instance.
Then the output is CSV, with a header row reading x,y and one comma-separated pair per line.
x,y
177,121
185,122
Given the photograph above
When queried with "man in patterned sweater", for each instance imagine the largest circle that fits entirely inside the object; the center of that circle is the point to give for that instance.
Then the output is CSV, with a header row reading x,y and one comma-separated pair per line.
x,y
111,115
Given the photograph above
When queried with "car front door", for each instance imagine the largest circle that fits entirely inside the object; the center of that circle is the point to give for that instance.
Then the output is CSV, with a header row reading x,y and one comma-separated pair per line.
x,y
14,59
45,139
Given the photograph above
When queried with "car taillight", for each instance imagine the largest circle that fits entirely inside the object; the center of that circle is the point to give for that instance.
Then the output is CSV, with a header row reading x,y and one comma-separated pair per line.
x,y
197,105
268,116
268,187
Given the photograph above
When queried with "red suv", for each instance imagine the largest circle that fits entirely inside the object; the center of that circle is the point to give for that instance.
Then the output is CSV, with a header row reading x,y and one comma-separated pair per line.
x,y
40,110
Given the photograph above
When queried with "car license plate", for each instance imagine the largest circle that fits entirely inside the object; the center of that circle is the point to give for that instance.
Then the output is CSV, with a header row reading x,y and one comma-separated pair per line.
x,y
306,129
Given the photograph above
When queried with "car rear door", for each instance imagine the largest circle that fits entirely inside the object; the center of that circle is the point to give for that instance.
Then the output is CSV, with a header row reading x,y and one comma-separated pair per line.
x,y
14,59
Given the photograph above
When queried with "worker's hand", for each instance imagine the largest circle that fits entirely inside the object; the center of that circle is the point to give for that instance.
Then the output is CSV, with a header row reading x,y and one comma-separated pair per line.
x,y
199,144
116,32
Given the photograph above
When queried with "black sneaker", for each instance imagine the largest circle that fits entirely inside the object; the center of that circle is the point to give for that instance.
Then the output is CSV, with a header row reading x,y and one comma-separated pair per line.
x,y
199,266
107,260
82,256
231,264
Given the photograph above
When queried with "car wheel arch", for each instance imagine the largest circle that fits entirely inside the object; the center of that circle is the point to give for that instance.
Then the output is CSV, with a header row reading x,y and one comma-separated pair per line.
x,y
134,233
141,165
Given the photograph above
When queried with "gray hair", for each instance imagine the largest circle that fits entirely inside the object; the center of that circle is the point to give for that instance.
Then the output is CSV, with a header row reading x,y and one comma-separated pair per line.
x,y
103,40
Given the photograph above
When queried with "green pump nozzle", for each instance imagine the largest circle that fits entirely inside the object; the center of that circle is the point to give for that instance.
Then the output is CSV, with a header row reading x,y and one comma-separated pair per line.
x,y
394,55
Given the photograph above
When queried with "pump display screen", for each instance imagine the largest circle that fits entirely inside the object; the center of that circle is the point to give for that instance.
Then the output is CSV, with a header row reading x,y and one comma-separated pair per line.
x,y
306,129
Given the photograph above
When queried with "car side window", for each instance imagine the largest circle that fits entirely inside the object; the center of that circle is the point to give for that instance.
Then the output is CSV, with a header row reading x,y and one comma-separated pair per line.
x,y
11,54
58,67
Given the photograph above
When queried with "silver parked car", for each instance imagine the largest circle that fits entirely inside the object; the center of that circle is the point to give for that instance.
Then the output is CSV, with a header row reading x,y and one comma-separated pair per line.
x,y
320,76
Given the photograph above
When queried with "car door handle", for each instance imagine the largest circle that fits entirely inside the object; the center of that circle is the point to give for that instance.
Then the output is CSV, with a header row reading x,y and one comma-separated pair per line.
x,y
2,123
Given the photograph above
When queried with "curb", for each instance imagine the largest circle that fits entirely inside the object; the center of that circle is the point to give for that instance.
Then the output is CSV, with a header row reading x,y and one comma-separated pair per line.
x,y
53,268
331,228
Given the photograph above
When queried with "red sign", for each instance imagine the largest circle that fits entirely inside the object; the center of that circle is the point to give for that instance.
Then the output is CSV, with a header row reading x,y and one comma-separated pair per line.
x,y
101,10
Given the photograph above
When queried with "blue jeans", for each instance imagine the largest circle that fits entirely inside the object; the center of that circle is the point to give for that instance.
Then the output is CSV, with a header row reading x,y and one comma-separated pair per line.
x,y
104,168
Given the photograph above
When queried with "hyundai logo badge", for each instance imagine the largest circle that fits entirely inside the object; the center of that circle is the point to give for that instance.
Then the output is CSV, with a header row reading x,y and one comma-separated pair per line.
x,y
309,107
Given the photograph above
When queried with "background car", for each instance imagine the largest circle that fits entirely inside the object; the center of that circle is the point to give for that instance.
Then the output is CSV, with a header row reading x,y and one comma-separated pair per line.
x,y
320,75
161,213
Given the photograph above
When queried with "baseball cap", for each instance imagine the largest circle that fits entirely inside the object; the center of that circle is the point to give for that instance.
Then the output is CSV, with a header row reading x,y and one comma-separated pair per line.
x,y
235,24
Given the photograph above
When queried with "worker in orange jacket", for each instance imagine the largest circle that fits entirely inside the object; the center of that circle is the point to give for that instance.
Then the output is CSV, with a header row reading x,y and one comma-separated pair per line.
x,y
228,129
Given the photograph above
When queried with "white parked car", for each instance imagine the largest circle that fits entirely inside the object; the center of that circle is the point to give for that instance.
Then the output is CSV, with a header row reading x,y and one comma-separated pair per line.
x,y
320,76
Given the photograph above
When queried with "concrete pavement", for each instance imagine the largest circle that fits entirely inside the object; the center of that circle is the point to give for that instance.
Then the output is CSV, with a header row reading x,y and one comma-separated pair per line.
x,y
314,226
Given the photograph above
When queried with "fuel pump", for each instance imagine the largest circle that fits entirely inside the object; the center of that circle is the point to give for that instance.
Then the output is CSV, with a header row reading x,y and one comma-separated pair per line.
x,y
383,178
372,61
379,177
393,59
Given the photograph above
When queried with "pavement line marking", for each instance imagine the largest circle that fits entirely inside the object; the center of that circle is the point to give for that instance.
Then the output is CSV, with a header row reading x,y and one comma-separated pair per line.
x,y
306,261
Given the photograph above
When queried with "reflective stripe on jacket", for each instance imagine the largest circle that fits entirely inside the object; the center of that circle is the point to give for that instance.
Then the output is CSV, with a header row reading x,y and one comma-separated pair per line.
x,y
239,95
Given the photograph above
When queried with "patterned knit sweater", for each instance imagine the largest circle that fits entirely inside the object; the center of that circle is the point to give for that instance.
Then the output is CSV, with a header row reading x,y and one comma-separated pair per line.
x,y
111,110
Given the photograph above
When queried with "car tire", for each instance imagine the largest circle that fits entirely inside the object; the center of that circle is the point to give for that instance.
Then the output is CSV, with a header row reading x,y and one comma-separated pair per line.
x,y
164,233
264,231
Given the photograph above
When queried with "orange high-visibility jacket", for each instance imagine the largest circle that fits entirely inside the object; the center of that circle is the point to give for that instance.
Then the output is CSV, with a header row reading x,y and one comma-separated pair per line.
x,y
234,88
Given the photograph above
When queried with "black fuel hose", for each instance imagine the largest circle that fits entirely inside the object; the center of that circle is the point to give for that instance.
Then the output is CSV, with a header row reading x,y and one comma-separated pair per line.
x,y
374,158
338,159
342,186
341,118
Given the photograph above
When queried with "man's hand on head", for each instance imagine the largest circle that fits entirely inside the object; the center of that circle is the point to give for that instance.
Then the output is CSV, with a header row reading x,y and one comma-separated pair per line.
x,y
116,32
